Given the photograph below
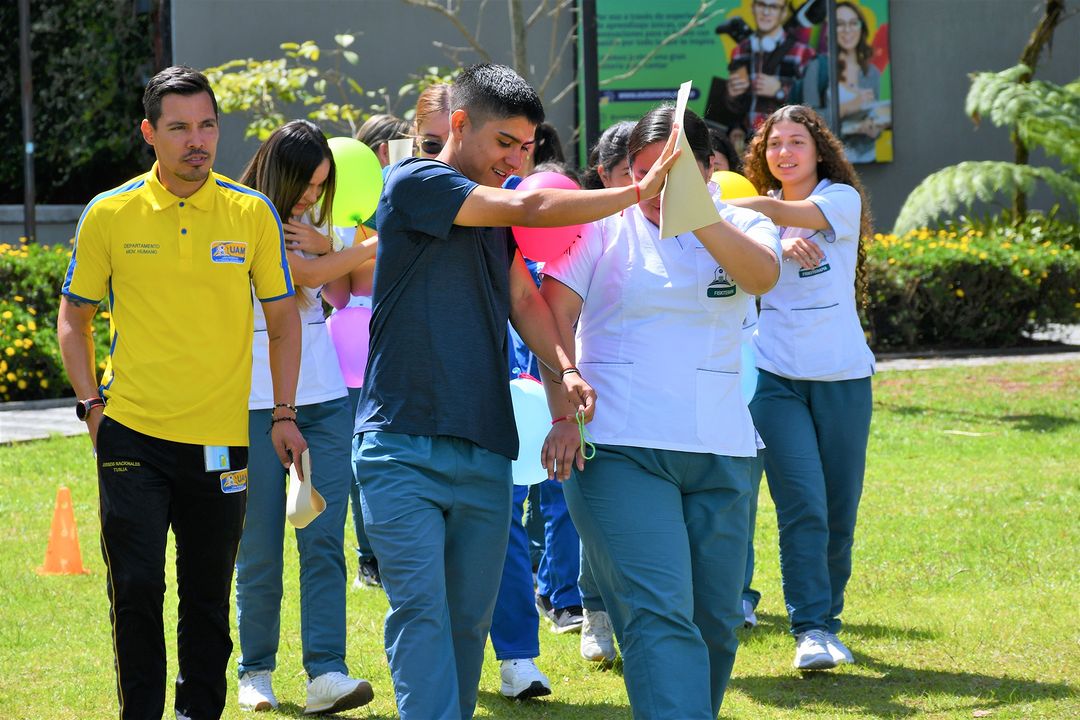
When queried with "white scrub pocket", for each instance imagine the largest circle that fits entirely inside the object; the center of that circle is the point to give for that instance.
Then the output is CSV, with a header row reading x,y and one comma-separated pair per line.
x,y
719,406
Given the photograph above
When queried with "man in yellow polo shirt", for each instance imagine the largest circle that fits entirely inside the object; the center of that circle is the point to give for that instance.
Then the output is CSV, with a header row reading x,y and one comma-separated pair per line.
x,y
176,252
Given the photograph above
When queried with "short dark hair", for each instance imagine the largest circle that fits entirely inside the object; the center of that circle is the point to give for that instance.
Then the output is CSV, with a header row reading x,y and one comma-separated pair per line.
x,y
495,91
179,80
656,127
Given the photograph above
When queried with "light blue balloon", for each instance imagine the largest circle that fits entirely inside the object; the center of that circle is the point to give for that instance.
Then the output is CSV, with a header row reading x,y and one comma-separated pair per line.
x,y
533,424
748,372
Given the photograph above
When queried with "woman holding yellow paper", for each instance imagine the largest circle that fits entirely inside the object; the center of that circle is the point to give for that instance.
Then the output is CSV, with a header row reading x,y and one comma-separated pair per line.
x,y
662,508
295,170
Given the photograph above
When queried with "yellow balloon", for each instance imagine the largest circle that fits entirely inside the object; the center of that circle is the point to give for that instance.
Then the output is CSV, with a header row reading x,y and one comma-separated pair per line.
x,y
733,185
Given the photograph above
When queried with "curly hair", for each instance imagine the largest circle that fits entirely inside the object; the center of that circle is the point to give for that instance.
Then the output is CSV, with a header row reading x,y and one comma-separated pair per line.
x,y
833,166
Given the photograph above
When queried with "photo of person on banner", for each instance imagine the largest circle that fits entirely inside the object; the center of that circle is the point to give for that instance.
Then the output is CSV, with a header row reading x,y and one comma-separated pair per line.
x,y
864,115
766,64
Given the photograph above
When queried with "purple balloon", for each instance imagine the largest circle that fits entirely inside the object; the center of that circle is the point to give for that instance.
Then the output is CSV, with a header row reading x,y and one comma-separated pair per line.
x,y
348,330
546,244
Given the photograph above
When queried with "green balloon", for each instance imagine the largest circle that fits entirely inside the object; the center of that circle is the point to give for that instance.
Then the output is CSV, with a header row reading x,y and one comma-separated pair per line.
x,y
359,181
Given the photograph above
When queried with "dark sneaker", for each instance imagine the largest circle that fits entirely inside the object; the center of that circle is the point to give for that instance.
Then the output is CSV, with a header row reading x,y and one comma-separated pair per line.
x,y
367,575
544,607
567,620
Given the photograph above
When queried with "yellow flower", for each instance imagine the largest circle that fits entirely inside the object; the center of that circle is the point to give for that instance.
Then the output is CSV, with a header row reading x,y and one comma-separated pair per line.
x,y
982,256
32,325
18,343
959,293
6,315
10,377
18,298
892,261
3,363
20,327
1025,272
22,384
44,383
3,388
32,311
27,343
101,364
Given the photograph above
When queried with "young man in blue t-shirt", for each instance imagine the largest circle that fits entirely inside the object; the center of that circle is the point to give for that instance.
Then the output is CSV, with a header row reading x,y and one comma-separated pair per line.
x,y
435,430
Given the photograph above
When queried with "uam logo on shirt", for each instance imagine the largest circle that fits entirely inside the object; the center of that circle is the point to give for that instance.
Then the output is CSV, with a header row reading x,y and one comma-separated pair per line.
x,y
234,481
721,286
228,251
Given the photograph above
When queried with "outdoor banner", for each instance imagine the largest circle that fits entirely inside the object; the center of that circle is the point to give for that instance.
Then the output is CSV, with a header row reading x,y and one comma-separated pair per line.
x,y
746,58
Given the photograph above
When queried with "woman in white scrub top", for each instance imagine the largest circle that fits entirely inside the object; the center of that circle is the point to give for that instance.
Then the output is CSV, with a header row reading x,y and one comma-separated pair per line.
x,y
662,508
812,405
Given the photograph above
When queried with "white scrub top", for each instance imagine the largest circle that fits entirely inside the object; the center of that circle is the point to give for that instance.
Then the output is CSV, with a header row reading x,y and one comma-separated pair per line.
x,y
659,334
809,327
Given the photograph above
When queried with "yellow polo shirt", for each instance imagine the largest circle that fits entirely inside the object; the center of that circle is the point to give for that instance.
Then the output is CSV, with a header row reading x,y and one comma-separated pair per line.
x,y
178,273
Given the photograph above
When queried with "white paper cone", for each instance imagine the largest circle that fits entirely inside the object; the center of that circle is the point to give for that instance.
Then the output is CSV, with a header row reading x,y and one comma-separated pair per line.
x,y
303,502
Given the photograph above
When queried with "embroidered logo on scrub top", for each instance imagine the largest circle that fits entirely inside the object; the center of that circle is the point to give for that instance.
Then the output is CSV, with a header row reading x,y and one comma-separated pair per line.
x,y
822,267
228,251
721,286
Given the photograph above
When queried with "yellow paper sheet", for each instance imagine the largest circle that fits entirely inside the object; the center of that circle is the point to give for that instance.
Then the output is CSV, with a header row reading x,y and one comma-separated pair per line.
x,y
685,204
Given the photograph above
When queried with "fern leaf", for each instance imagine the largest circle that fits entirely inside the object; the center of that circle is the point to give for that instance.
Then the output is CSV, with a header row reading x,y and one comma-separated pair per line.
x,y
943,192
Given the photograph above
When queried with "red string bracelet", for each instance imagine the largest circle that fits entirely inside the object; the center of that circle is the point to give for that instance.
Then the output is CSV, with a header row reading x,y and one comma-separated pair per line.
x,y
637,189
557,420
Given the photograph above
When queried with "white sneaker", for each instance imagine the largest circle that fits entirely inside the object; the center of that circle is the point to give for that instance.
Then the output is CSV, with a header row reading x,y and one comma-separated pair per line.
x,y
333,692
521,679
812,652
256,692
597,638
838,650
749,618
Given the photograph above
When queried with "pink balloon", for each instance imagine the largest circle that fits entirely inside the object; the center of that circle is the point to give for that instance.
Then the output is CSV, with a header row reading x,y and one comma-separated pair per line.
x,y
348,330
546,244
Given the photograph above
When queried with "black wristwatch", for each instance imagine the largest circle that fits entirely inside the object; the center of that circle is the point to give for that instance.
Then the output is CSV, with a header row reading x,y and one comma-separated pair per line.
x,y
83,407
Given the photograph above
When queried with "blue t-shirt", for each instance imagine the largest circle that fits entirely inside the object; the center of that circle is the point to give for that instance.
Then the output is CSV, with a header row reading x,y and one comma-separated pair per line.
x,y
440,305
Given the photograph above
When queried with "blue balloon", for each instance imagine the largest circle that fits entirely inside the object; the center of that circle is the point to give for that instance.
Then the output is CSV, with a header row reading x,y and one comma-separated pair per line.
x,y
748,372
533,424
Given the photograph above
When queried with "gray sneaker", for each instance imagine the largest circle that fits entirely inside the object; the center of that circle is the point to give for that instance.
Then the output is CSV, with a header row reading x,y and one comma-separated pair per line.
x,y
333,692
597,637
256,693
812,652
838,650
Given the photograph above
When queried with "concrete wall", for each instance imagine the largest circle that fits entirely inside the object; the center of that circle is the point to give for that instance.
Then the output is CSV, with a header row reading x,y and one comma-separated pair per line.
x,y
393,40
935,45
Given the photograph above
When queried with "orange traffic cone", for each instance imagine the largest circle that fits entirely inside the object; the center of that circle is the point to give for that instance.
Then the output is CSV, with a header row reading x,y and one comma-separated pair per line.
x,y
62,556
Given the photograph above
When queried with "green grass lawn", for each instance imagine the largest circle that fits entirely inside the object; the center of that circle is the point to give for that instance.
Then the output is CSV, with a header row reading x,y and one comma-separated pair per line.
x,y
962,603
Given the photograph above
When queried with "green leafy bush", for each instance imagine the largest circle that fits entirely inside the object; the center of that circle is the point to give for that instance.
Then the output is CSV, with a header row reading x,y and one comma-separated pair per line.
x,y
30,364
972,284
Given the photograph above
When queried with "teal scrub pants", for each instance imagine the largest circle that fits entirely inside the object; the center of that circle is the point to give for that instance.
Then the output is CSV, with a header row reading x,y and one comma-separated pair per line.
x,y
320,545
665,535
815,437
749,593
437,512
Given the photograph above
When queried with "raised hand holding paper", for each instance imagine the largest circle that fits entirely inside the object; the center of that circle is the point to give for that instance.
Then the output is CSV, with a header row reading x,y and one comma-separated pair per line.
x,y
685,204
303,502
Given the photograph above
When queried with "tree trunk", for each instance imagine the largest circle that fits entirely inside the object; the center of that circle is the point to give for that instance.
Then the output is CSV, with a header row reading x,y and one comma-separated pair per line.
x,y
1042,36
517,37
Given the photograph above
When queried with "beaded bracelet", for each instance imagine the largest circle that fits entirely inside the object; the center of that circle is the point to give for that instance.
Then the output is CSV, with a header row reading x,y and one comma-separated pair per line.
x,y
285,405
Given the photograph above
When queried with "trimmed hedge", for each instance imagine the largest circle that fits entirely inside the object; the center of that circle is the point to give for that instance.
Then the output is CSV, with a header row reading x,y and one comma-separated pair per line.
x,y
30,364
971,284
